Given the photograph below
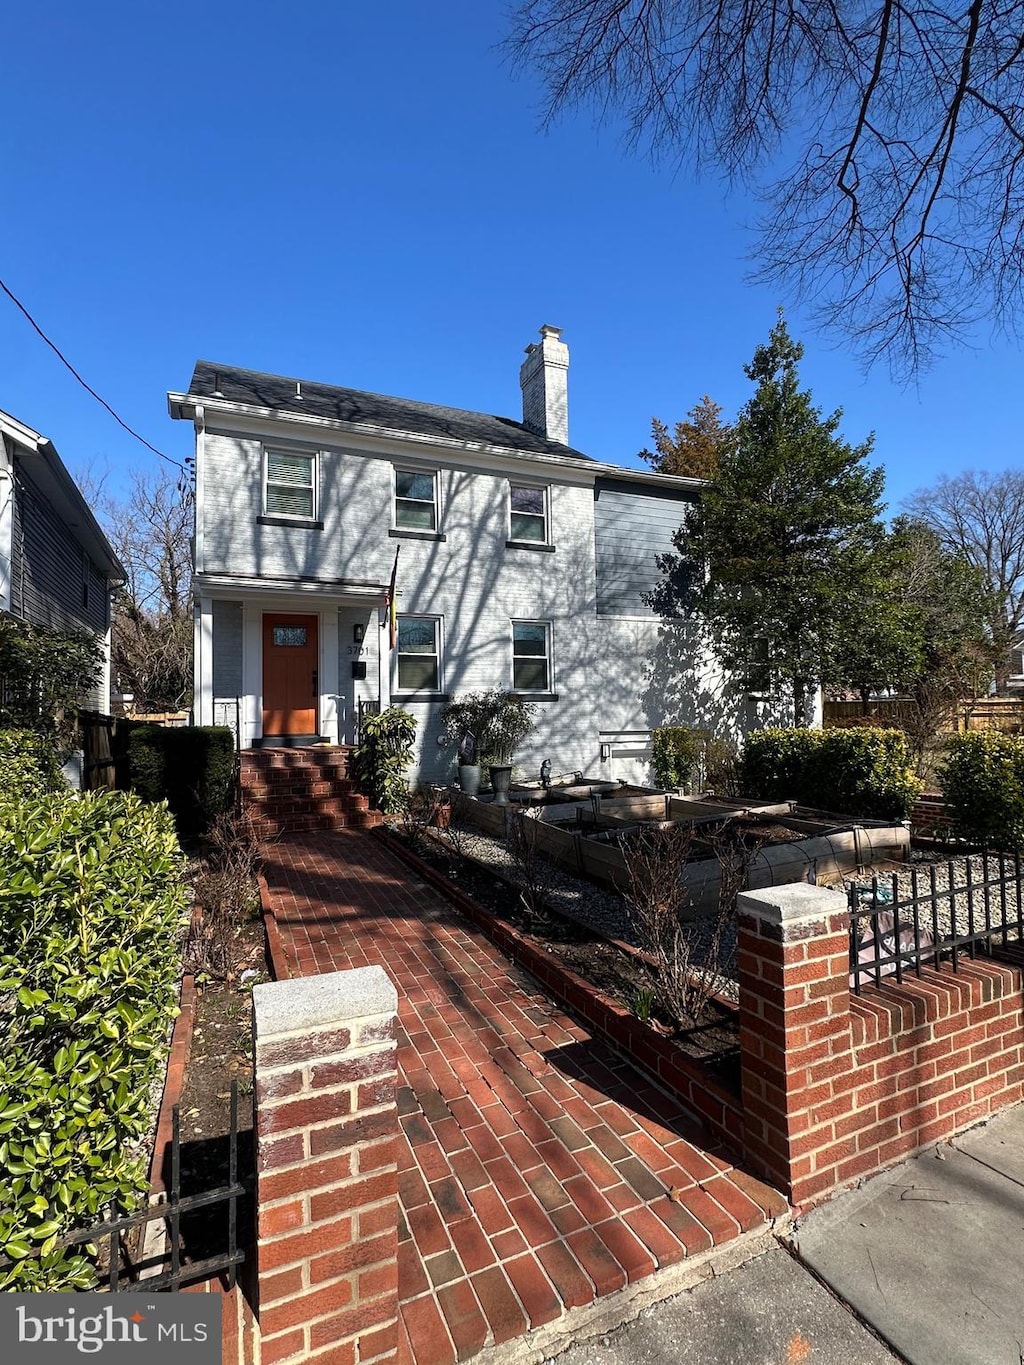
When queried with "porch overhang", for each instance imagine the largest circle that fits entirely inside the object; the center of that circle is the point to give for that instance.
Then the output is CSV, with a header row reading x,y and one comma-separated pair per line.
x,y
240,586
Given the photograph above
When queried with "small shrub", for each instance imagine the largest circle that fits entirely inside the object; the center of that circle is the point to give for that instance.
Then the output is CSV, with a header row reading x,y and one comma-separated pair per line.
x,y
92,907
29,767
226,890
192,768
983,783
675,754
489,726
383,756
861,771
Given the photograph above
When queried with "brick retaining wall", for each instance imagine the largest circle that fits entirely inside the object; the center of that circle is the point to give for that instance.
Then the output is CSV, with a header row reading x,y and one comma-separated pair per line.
x,y
836,1087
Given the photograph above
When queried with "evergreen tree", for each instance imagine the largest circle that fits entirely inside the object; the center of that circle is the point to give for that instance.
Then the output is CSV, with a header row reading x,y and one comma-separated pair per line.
x,y
694,449
780,551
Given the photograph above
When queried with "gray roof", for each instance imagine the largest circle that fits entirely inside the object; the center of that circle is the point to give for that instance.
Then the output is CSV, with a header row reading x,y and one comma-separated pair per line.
x,y
254,389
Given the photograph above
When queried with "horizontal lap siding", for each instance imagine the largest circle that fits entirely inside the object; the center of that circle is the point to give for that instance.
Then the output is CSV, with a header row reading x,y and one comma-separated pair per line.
x,y
631,528
227,649
49,569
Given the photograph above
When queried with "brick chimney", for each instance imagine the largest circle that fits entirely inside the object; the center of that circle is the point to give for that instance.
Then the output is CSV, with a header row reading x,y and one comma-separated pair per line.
x,y
543,378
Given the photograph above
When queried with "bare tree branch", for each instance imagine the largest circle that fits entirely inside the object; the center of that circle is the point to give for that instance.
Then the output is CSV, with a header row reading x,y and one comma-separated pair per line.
x,y
886,142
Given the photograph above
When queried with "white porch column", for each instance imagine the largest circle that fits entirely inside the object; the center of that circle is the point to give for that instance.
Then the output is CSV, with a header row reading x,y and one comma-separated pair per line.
x,y
329,680
202,705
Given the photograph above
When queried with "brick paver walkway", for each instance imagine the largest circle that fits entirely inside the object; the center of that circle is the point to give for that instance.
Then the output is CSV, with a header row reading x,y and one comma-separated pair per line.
x,y
537,1164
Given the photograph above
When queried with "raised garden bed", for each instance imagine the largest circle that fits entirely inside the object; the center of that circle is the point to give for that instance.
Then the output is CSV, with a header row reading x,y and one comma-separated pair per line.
x,y
789,842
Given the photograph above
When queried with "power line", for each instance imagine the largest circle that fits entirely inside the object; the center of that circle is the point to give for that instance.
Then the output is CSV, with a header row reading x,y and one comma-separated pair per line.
x,y
67,363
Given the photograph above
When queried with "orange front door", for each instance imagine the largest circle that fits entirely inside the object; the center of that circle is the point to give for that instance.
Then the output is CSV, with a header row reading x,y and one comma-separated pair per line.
x,y
290,687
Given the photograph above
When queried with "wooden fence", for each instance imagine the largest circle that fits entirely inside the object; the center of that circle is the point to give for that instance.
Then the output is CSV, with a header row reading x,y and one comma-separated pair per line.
x,y
984,713
105,746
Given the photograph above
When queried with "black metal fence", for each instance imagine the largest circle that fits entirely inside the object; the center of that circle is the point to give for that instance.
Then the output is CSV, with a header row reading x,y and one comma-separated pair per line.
x,y
934,916
125,1267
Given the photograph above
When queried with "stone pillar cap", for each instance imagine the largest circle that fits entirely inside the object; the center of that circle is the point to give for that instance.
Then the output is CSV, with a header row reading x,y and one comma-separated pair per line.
x,y
315,1002
790,904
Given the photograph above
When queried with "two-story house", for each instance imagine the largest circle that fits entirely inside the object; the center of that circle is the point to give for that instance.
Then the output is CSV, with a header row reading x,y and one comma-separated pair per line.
x,y
518,562
57,568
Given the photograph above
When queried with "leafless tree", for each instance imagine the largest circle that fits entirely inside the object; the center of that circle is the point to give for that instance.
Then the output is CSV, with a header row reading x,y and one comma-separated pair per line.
x,y
150,530
981,516
886,141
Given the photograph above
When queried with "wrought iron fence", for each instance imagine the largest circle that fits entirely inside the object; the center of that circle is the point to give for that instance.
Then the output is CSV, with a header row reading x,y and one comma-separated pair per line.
x,y
934,917
132,1270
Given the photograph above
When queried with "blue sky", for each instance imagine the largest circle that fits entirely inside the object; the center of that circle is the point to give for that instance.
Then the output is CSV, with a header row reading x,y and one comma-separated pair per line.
x,y
360,195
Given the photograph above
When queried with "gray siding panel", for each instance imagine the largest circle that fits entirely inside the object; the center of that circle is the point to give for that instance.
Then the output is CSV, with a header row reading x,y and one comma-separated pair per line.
x,y
227,649
630,530
53,582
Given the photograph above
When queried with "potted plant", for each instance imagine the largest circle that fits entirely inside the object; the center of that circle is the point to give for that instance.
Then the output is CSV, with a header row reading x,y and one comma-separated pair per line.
x,y
509,719
465,718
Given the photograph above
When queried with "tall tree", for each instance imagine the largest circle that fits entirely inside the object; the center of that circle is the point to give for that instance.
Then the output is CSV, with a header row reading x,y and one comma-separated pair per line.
x,y
151,530
981,517
694,448
778,550
887,140
920,630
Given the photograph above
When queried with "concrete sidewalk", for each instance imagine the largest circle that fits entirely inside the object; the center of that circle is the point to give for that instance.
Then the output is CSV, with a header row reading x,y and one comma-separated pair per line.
x,y
769,1311
930,1253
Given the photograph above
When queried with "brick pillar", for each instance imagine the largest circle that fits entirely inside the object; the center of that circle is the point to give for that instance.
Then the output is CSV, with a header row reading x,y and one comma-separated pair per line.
x,y
327,1181
795,1036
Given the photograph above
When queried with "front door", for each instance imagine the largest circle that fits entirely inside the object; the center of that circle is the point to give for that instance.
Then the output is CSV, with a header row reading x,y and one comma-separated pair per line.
x,y
291,699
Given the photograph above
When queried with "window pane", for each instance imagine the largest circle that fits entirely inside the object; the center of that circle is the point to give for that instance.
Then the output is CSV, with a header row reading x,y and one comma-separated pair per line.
x,y
293,469
289,502
416,636
529,638
289,635
530,675
419,486
416,672
417,516
527,527
528,500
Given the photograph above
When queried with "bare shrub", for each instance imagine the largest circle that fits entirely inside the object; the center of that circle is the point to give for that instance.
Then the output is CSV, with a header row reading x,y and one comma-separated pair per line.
x,y
226,891
532,871
692,958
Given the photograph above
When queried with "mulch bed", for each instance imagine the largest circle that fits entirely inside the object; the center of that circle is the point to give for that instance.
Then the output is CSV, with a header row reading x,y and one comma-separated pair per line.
x,y
221,1052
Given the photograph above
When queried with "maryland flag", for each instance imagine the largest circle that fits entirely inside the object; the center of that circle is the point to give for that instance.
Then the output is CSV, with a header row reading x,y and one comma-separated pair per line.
x,y
392,603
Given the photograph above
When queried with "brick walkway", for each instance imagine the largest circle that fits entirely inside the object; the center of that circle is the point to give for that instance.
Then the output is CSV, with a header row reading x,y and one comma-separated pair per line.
x,y
537,1165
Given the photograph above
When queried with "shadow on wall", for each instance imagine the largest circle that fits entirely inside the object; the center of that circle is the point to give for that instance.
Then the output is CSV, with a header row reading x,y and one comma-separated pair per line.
x,y
684,686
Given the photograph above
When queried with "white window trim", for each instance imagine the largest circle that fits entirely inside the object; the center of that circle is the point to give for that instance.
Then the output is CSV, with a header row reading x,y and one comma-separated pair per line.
x,y
397,469
284,449
404,692
549,655
545,491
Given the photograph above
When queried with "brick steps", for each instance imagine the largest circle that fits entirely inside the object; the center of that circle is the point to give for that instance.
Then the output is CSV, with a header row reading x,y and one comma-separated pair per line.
x,y
299,791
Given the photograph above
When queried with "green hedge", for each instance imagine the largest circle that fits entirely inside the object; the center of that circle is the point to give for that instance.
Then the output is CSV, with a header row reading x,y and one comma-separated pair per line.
x,y
864,772
91,910
983,783
28,766
675,753
192,769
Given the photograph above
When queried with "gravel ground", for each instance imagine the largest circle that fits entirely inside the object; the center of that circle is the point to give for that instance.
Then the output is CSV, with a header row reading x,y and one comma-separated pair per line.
x,y
606,912
957,911
602,910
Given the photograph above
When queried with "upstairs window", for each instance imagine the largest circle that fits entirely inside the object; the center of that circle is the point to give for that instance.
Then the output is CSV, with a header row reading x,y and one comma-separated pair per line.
x,y
419,654
415,500
290,489
531,656
528,513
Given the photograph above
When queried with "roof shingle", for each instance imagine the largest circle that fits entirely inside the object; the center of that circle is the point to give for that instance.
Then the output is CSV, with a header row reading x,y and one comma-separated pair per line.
x,y
254,389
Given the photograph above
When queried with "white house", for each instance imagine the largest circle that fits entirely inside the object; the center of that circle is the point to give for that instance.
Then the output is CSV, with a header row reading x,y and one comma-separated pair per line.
x,y
521,563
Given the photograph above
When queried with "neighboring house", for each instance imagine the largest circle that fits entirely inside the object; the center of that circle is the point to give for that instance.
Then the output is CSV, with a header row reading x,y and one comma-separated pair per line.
x,y
522,564
56,566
